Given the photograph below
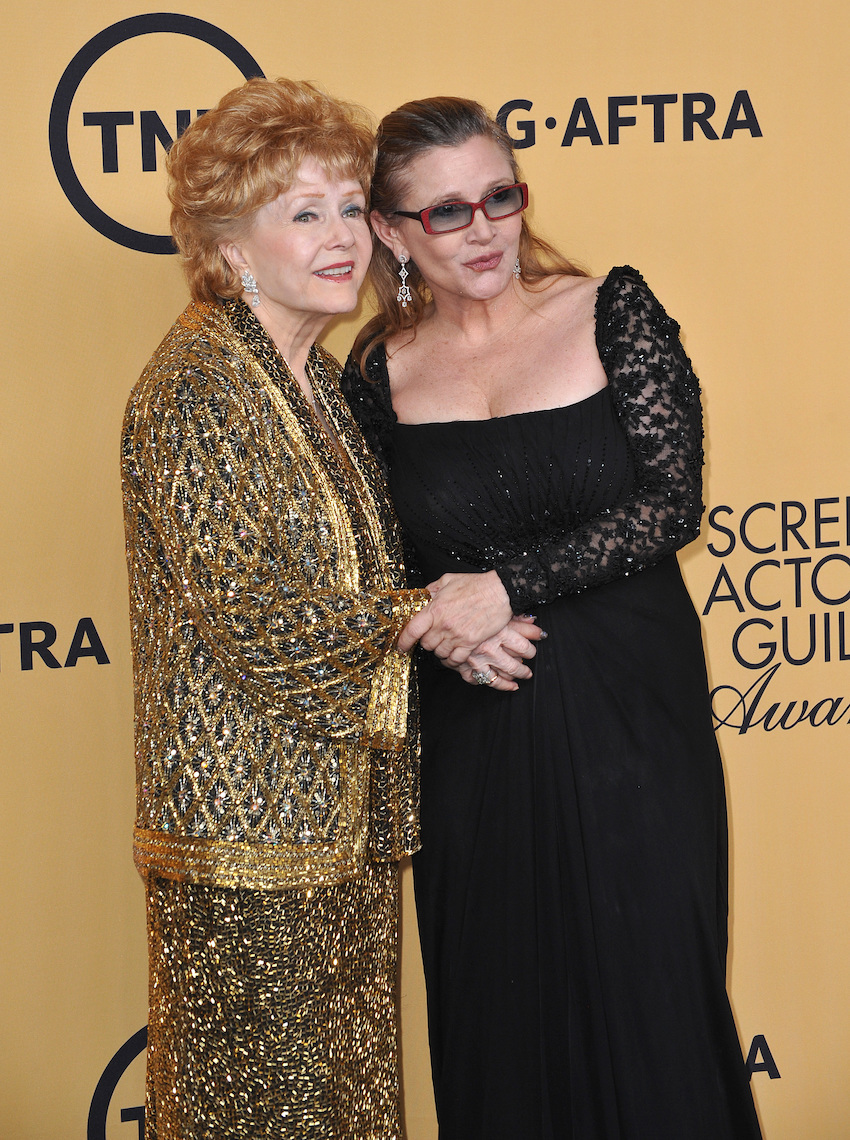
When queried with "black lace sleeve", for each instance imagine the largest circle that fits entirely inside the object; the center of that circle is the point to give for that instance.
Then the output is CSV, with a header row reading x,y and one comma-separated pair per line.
x,y
657,398
371,403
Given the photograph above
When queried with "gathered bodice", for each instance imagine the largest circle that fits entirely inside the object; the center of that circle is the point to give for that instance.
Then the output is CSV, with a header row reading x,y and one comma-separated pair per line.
x,y
654,395
474,494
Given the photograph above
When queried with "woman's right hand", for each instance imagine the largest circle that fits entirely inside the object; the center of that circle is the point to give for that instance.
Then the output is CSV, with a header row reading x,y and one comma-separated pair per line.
x,y
465,610
504,655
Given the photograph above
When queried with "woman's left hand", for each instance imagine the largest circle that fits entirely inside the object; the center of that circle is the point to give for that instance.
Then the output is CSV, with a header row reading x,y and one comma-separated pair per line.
x,y
465,610
502,659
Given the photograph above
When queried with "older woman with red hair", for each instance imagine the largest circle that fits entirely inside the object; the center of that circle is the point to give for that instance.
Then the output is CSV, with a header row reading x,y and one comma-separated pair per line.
x,y
276,777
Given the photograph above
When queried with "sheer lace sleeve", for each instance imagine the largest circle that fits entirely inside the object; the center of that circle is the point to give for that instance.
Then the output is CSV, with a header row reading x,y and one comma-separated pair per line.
x,y
656,395
371,403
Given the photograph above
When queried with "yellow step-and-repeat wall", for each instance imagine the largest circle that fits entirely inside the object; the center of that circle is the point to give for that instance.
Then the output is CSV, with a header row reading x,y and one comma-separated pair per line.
x,y
705,144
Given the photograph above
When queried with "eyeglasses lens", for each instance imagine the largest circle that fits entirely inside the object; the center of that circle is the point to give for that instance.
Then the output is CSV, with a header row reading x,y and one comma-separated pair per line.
x,y
501,203
452,216
457,215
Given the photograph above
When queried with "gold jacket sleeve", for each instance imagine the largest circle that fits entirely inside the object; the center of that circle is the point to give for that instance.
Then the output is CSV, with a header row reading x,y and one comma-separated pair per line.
x,y
266,598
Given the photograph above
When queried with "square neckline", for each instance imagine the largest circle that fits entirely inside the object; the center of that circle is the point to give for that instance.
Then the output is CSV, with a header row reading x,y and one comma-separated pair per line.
x,y
601,289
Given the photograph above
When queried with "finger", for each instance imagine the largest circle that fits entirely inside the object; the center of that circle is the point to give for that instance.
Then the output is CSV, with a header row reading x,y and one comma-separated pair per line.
x,y
444,647
456,655
526,628
435,642
507,641
515,644
499,661
418,625
435,587
509,666
501,684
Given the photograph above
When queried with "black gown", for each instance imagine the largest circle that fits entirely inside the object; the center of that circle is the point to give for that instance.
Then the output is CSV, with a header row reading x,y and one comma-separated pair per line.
x,y
572,885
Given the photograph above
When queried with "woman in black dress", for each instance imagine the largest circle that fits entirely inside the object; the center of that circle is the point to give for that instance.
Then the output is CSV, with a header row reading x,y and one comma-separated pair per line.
x,y
542,436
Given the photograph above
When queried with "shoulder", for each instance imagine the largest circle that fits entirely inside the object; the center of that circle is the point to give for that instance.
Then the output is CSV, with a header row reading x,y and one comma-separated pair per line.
x,y
627,309
625,290
565,289
372,374
567,301
198,336
367,392
198,356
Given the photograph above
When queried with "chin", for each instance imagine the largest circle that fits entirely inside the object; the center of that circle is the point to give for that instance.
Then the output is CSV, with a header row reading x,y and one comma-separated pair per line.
x,y
490,288
346,305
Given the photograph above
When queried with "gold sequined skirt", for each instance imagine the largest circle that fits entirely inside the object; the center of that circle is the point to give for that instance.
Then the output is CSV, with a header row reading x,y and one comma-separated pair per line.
x,y
273,1015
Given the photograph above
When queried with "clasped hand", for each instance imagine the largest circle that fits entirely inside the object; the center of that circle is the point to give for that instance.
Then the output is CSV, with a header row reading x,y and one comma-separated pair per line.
x,y
469,625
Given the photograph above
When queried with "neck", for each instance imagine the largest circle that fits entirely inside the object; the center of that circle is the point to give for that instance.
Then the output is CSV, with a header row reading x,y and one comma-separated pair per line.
x,y
293,335
479,320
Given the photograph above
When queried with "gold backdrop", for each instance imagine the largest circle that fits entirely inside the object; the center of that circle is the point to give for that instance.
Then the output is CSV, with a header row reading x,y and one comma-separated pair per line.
x,y
705,144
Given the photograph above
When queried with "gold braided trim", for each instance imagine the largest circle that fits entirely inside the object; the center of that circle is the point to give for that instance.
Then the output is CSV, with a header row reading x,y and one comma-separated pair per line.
x,y
386,716
262,867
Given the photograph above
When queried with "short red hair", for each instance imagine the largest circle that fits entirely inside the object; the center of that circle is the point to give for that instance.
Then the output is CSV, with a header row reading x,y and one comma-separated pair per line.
x,y
243,154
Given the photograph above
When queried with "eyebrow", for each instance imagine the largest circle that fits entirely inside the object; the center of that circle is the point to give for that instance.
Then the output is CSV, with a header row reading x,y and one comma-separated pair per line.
x,y
456,196
307,196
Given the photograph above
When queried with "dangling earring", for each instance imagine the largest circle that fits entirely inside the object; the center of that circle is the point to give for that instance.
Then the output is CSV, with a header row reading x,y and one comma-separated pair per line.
x,y
249,284
404,294
517,269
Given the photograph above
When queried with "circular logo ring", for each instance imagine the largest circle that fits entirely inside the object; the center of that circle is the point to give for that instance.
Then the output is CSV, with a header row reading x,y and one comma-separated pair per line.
x,y
108,1083
73,76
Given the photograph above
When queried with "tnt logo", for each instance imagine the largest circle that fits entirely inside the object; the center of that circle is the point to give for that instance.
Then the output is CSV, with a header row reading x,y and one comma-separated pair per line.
x,y
120,1093
123,99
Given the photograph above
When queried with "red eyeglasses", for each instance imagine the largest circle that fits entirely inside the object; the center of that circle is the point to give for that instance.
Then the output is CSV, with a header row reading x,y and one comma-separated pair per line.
x,y
449,216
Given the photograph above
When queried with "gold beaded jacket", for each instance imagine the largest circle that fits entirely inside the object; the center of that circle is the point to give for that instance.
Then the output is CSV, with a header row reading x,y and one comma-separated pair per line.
x,y
266,596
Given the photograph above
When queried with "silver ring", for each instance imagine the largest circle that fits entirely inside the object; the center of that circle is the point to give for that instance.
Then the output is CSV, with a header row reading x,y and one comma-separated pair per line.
x,y
484,678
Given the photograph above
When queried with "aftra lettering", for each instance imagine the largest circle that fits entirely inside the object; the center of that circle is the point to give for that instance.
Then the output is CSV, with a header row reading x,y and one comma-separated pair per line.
x,y
152,130
696,115
761,1049
38,638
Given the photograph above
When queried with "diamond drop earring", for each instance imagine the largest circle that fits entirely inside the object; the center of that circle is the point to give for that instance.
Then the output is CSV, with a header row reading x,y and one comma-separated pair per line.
x,y
404,294
517,269
249,284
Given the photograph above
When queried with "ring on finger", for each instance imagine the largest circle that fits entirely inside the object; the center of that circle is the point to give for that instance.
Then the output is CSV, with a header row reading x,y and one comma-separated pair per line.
x,y
484,677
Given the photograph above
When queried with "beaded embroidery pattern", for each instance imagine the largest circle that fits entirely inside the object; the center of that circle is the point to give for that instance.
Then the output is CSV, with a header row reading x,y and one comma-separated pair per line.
x,y
264,605
656,397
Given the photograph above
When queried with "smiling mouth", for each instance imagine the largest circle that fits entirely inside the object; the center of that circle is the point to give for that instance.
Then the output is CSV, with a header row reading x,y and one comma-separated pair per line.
x,y
481,264
336,272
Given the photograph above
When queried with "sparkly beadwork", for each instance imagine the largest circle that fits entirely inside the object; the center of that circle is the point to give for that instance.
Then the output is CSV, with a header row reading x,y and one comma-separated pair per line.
x,y
276,749
273,1012
264,599
656,397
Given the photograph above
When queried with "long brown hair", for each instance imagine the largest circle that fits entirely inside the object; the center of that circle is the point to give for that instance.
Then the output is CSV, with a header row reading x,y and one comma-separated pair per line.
x,y
404,135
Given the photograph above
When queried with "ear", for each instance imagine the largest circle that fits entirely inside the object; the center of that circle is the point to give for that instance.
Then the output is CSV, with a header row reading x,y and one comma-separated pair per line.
x,y
388,233
232,254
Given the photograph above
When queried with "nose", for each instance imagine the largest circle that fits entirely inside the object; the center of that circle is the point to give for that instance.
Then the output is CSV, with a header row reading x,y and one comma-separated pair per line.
x,y
340,234
481,227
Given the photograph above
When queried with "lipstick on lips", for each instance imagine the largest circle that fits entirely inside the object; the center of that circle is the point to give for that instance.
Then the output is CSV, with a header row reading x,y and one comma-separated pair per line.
x,y
482,264
341,271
